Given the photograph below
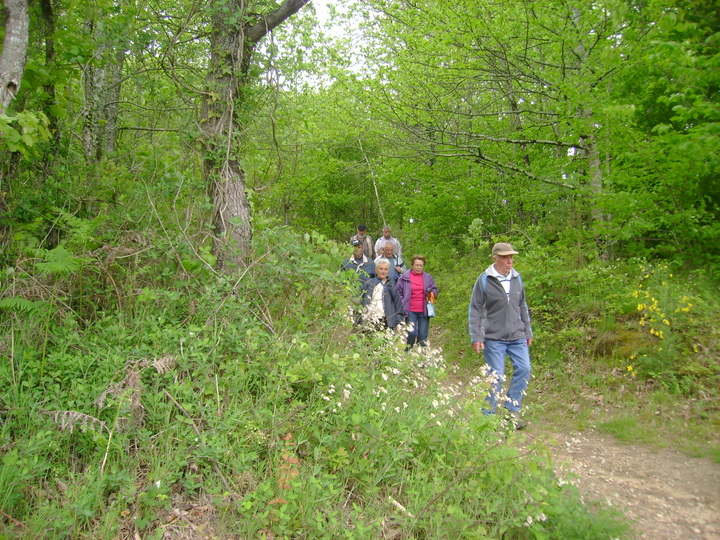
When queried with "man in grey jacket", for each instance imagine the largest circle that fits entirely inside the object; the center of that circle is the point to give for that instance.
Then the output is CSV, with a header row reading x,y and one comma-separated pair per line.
x,y
499,323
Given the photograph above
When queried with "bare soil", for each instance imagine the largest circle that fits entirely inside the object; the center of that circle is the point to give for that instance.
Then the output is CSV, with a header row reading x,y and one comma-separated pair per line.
x,y
666,494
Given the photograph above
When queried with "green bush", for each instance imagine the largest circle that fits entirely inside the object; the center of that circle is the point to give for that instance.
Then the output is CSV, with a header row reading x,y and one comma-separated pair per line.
x,y
253,395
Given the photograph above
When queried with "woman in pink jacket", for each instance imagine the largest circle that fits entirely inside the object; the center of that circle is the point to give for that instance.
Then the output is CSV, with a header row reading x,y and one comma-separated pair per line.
x,y
414,287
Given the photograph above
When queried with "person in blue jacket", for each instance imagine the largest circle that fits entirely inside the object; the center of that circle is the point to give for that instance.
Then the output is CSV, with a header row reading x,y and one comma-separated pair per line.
x,y
359,263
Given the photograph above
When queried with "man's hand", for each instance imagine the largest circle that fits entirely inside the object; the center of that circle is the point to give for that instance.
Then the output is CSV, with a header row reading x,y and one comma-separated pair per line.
x,y
529,342
478,346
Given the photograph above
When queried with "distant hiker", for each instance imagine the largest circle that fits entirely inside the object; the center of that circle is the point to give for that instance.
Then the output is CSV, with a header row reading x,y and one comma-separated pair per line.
x,y
359,263
381,301
366,239
384,239
397,266
499,323
416,288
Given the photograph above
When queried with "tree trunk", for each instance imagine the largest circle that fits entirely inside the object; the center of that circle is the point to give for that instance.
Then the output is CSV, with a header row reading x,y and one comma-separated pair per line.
x,y
103,76
232,43
14,53
48,17
590,145
111,101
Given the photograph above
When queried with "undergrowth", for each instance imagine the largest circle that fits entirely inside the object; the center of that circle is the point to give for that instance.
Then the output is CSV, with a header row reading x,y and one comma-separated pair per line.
x,y
146,395
625,343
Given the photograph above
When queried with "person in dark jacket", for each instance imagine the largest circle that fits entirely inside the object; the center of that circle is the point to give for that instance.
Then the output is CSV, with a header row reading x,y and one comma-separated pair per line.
x,y
359,263
382,307
499,322
415,286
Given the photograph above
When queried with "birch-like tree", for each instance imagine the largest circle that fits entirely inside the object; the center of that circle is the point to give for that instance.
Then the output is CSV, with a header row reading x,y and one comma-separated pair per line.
x,y
14,53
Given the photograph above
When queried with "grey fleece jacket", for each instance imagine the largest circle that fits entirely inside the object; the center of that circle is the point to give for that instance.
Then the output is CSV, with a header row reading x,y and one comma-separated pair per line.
x,y
498,316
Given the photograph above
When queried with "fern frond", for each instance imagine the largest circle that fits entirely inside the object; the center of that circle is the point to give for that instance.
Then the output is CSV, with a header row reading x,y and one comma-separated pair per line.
x,y
164,364
79,230
128,393
60,262
69,420
19,304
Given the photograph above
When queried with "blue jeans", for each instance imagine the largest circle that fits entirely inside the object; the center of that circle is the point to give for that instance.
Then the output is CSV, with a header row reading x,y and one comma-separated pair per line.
x,y
421,327
519,354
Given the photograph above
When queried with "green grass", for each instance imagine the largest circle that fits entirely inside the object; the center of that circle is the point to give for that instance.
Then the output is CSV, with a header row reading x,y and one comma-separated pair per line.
x,y
635,412
636,358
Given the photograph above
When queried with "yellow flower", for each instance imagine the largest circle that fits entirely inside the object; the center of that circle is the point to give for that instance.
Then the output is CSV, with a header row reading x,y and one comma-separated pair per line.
x,y
629,368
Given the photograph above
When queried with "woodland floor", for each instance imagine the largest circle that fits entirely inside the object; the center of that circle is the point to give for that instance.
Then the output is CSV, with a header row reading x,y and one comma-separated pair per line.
x,y
666,494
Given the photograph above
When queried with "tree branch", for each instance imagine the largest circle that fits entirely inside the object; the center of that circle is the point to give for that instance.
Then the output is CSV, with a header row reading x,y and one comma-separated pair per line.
x,y
259,30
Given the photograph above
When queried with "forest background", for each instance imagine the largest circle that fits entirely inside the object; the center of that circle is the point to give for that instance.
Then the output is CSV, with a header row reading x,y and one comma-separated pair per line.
x,y
178,183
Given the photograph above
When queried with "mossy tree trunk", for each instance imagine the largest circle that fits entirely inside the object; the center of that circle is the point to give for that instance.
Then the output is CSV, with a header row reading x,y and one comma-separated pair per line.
x,y
236,31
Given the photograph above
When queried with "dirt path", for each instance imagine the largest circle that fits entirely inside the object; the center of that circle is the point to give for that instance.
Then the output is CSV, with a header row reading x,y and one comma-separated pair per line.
x,y
667,494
